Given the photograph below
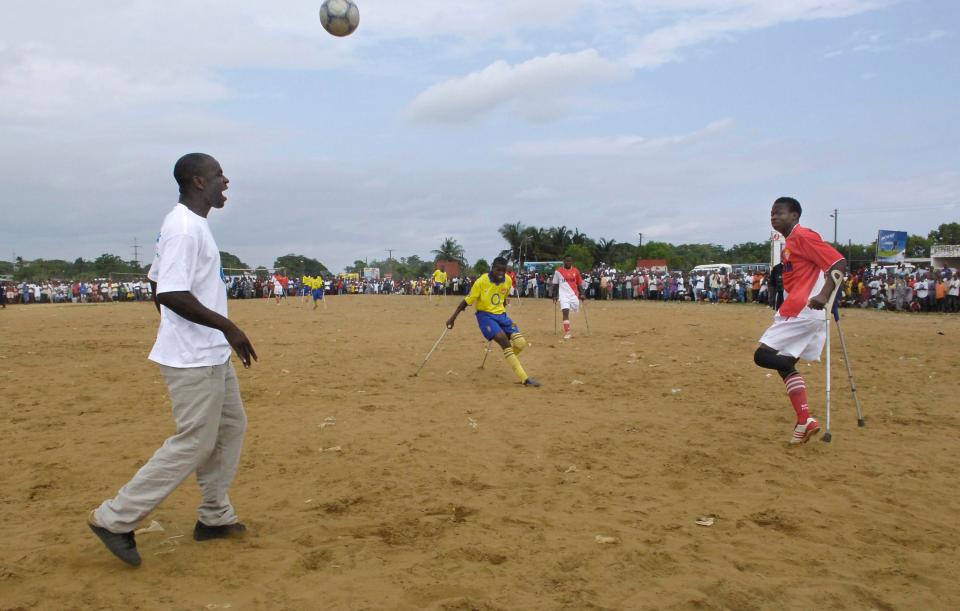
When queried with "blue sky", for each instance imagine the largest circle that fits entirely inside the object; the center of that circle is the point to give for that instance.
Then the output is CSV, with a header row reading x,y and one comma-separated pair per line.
x,y
679,119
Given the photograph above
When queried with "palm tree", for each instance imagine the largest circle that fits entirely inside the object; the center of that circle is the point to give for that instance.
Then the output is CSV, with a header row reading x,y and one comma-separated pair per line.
x,y
603,250
558,239
533,241
513,233
450,250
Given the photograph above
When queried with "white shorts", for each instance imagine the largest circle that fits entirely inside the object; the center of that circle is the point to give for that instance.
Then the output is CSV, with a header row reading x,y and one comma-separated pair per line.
x,y
571,303
800,338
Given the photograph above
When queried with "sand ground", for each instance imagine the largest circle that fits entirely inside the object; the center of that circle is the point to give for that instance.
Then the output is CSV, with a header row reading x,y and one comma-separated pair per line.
x,y
462,490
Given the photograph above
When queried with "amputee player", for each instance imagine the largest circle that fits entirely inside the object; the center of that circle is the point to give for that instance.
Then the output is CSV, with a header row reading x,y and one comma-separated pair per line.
x,y
440,280
566,290
305,287
316,286
490,294
193,350
799,328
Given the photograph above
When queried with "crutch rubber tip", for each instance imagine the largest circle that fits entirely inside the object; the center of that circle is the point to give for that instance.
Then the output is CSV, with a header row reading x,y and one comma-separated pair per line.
x,y
861,423
826,438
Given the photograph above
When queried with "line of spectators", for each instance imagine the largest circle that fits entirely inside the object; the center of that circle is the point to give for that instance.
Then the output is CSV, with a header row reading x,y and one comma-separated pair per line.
x,y
96,291
899,288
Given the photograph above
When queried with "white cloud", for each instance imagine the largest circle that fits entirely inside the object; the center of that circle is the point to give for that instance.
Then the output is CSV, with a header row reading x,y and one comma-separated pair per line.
x,y
926,37
534,88
718,19
536,194
610,145
37,84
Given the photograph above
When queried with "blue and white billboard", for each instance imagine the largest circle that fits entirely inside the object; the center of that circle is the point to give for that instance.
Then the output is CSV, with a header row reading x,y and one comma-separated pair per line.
x,y
891,246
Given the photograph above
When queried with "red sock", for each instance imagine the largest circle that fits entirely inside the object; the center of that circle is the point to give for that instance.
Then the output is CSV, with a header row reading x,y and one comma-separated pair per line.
x,y
566,326
797,391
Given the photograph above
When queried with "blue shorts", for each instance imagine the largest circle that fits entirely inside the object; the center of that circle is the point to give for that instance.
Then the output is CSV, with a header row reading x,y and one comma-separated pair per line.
x,y
491,324
317,294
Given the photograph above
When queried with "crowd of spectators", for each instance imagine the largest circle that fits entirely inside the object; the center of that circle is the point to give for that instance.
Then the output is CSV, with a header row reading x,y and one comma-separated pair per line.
x,y
894,288
95,291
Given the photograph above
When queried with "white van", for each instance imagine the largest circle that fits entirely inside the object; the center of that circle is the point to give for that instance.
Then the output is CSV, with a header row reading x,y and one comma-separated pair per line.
x,y
723,268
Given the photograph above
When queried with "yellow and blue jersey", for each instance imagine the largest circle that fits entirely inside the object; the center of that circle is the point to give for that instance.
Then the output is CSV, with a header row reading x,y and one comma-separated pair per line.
x,y
439,277
489,296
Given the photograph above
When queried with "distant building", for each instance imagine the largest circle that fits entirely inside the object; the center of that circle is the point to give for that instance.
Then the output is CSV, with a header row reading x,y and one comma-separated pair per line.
x,y
945,256
656,265
451,267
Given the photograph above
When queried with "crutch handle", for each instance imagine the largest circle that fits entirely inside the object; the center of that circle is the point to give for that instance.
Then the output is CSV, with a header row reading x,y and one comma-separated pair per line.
x,y
837,276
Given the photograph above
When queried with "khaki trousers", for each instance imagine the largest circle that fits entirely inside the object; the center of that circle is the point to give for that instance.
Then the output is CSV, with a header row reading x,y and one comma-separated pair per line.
x,y
210,425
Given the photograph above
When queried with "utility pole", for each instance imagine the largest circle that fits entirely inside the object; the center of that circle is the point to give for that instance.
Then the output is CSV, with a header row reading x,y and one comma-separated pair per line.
x,y
136,253
836,213
641,241
390,260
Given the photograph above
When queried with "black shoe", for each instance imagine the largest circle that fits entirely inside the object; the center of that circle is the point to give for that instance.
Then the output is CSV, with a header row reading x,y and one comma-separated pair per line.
x,y
122,545
532,382
202,532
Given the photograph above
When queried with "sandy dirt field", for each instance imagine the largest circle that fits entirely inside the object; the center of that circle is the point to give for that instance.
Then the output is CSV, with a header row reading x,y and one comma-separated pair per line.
x,y
463,490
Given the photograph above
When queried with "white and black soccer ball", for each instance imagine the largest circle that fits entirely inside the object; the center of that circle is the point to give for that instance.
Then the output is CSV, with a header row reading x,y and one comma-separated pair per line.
x,y
339,17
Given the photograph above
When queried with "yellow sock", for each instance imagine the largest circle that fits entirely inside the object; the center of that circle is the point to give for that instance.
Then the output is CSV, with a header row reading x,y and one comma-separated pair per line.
x,y
519,342
514,362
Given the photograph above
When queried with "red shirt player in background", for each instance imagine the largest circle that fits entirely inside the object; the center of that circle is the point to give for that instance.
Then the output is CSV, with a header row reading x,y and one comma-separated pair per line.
x,y
566,289
515,290
799,329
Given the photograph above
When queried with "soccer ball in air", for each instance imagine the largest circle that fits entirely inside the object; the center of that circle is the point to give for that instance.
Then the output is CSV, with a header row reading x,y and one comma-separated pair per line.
x,y
339,17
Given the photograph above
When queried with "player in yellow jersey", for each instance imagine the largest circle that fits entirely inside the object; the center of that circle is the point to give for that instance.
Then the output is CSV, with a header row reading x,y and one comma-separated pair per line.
x,y
440,281
490,293
317,285
306,283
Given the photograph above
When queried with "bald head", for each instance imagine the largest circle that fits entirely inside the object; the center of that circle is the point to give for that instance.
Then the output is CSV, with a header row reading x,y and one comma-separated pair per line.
x,y
190,166
201,181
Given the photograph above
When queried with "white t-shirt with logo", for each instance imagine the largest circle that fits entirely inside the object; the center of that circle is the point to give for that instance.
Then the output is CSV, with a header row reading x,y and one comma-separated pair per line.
x,y
187,259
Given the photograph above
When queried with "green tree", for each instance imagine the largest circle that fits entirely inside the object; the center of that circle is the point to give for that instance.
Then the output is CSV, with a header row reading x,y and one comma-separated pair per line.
x,y
6,268
917,246
450,250
658,250
481,267
859,254
557,241
624,256
297,266
44,269
357,267
947,233
748,252
582,257
603,249
231,261
513,233
107,264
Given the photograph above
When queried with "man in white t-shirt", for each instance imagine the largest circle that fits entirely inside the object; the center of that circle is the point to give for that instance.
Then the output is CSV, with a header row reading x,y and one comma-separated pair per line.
x,y
953,294
193,350
921,290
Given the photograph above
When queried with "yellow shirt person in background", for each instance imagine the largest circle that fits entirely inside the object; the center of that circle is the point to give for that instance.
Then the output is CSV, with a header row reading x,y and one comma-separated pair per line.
x,y
440,280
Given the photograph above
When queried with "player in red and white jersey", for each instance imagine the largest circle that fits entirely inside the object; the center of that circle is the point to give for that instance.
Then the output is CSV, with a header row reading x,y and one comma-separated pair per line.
x,y
566,291
799,329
